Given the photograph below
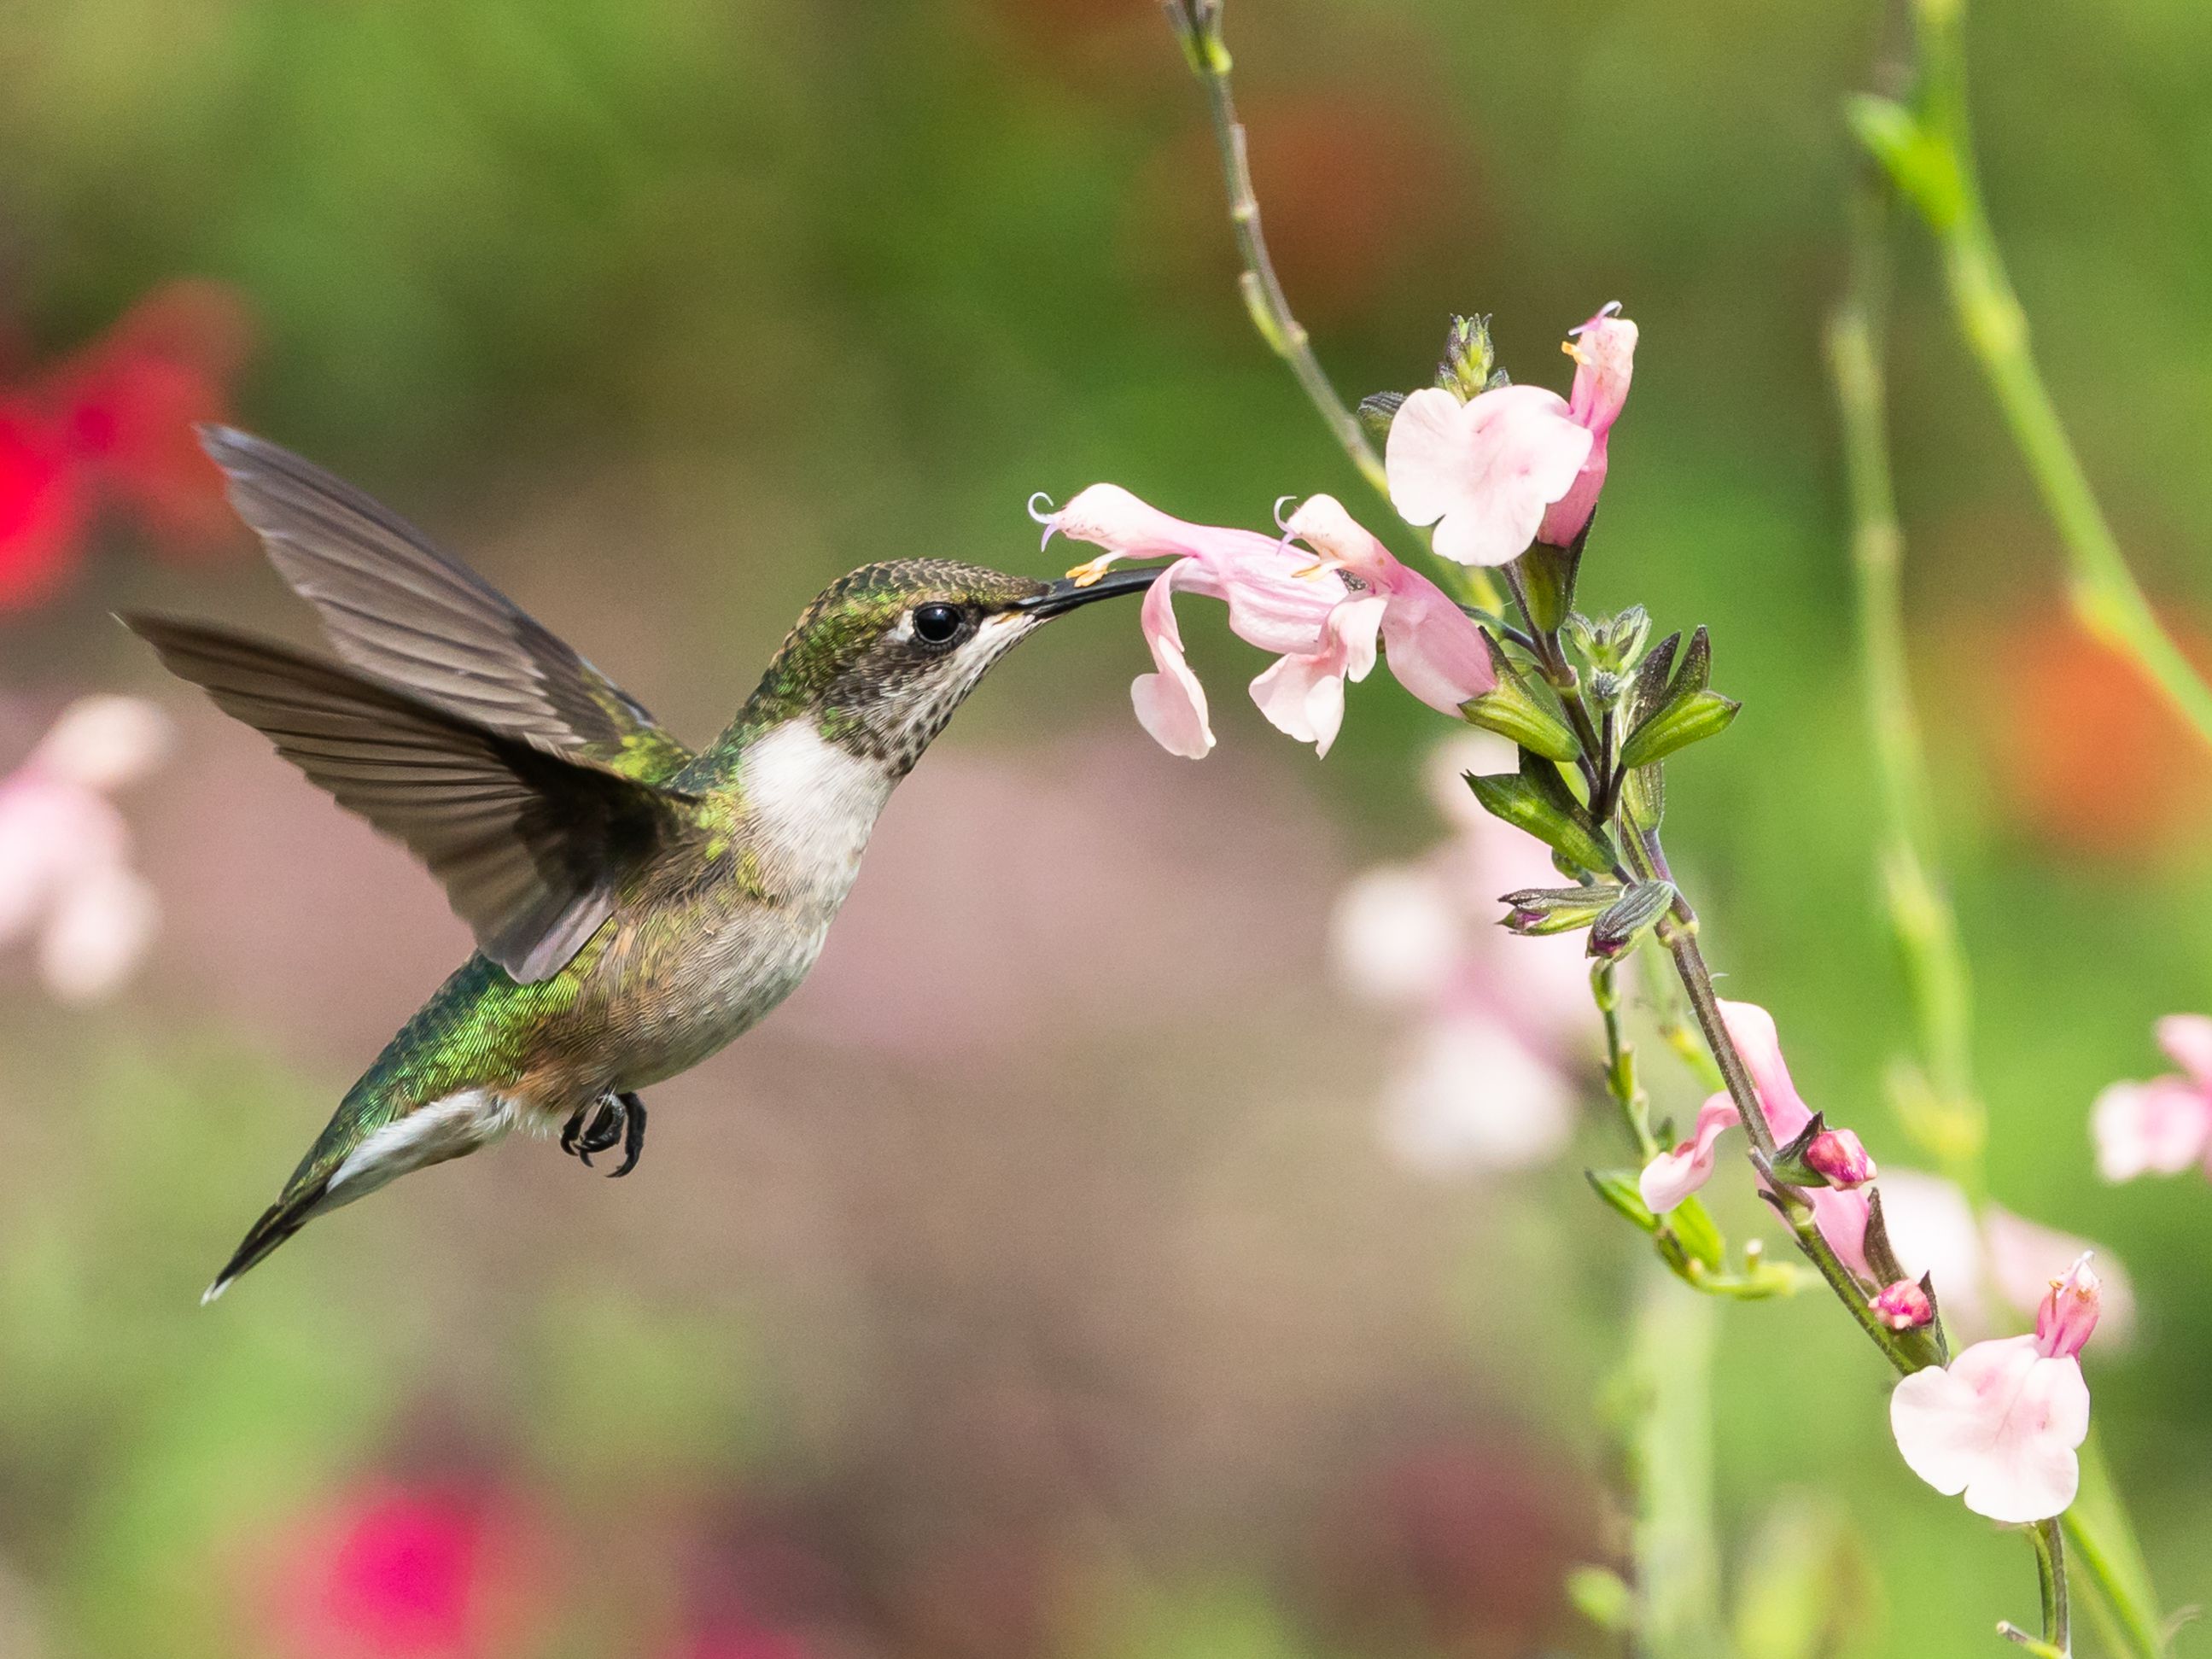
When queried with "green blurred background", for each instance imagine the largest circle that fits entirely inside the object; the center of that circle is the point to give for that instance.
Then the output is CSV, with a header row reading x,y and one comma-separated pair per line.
x,y
1035,1283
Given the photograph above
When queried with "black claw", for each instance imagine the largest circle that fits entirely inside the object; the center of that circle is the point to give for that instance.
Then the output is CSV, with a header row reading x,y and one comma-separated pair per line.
x,y
571,1129
633,1111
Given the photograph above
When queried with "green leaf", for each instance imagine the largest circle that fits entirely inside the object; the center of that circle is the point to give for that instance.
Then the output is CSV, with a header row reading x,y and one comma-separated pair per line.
x,y
1682,722
1516,710
1526,804
1619,1189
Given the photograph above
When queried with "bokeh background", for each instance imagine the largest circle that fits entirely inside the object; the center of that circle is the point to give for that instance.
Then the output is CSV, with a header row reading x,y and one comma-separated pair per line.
x,y
1044,1279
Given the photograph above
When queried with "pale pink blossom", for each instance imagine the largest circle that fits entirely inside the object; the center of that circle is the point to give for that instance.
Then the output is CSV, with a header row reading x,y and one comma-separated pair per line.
x,y
1604,350
66,884
2164,1126
1484,473
2002,1421
1991,1269
1484,1076
1673,1175
1434,650
1297,603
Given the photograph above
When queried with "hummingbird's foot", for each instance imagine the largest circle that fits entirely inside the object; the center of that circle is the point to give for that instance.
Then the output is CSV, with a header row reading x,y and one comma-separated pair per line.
x,y
599,1125
633,1111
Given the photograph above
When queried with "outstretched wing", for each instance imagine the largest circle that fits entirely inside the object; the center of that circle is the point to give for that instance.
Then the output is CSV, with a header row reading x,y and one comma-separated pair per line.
x,y
396,607
532,845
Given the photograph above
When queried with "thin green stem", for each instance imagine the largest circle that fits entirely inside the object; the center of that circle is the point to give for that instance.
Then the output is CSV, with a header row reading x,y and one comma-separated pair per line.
x,y
1197,23
1677,1560
1620,1079
2104,592
1950,1122
2050,1570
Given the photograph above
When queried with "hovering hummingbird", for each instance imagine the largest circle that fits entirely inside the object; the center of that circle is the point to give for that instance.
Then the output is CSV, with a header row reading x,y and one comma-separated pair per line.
x,y
636,905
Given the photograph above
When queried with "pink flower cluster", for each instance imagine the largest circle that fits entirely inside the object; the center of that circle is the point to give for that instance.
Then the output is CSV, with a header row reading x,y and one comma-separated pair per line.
x,y
66,883
2164,1126
1482,1079
1490,474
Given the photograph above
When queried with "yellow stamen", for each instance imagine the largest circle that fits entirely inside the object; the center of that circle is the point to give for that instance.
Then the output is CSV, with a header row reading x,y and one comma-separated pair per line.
x,y
1092,570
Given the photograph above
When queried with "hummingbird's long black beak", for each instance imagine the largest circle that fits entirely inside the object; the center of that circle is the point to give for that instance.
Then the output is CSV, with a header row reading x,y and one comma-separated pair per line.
x,y
1067,593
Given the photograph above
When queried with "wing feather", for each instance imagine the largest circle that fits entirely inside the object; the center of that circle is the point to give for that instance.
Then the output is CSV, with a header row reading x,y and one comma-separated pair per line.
x,y
532,845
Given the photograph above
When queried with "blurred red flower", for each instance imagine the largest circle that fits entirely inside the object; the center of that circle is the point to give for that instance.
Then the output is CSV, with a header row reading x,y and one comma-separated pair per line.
x,y
2091,758
393,1571
113,424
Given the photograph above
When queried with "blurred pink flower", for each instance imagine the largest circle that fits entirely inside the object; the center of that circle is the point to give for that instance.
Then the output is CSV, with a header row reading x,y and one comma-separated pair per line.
x,y
1483,1079
1987,1265
65,879
2000,1423
115,423
1486,471
2164,1126
1283,599
406,1572
1604,350
1672,1177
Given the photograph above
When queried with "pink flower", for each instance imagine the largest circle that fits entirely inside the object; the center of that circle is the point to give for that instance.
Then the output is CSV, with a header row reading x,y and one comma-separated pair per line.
x,y
1604,349
1989,1265
2164,1126
1904,1306
65,878
1672,1176
1483,472
1482,1077
2000,1423
1281,599
426,1571
1838,1155
1435,651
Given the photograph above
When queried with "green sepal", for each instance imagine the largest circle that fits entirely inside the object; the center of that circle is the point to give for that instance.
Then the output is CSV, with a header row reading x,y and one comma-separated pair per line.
x,y
1619,1189
1652,677
1637,912
1536,798
1537,911
1694,1230
1378,409
1513,708
1695,671
1683,721
1464,370
1644,796
1546,578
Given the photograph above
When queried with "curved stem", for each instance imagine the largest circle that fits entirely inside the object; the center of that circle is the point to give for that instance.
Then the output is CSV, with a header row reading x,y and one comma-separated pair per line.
x,y
2104,592
1197,24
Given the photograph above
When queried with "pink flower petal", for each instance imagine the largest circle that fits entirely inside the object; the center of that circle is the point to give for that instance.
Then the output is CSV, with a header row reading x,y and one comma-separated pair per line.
x,y
1753,1030
1484,471
1170,704
2022,1257
1842,1217
1672,1177
2158,1127
1303,694
1397,936
2000,1425
104,743
2187,1040
97,934
1471,1095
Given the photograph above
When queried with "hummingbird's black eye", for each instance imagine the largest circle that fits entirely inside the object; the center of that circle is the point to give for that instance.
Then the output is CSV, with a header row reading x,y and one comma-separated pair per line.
x,y
937,624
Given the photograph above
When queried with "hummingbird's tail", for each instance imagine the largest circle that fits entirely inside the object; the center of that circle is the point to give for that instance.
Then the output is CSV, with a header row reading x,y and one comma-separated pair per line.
x,y
278,1222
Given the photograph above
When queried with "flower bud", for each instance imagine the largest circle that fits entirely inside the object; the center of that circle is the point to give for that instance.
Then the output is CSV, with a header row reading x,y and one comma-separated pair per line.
x,y
1836,1156
1468,358
2068,1312
1904,1306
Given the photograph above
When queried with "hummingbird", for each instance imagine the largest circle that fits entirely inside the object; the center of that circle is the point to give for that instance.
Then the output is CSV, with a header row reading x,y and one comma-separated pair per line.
x,y
637,904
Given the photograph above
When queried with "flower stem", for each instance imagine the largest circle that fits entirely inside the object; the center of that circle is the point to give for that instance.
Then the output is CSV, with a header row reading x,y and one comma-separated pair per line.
x,y
1620,1079
1197,24
2050,1568
1920,911
2104,592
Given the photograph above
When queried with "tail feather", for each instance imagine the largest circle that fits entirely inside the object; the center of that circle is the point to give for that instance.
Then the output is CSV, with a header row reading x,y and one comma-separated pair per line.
x,y
278,1222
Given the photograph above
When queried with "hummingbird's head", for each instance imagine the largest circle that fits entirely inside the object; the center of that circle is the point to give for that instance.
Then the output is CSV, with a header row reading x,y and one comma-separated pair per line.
x,y
882,657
